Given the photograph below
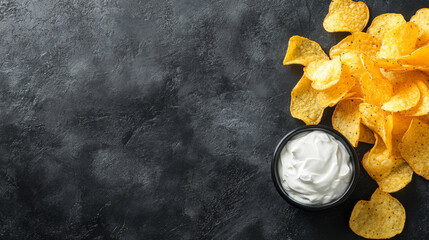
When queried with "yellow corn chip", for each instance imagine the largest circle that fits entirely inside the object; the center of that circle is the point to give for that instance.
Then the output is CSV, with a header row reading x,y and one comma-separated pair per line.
x,y
415,147
395,133
396,78
377,163
384,23
391,173
418,58
346,119
303,51
346,16
424,118
323,73
399,41
374,118
375,87
352,60
356,91
421,18
405,96
331,96
303,103
374,91
358,42
395,127
422,107
394,65
399,177
366,135
383,216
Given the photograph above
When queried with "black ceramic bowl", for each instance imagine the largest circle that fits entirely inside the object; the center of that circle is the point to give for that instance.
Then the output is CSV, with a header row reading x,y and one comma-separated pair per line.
x,y
339,137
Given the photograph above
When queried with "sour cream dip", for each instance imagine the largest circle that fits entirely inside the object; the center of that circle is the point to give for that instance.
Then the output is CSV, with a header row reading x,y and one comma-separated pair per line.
x,y
315,168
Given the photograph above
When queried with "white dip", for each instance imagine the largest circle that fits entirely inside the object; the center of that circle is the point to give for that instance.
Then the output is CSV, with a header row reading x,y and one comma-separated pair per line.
x,y
315,168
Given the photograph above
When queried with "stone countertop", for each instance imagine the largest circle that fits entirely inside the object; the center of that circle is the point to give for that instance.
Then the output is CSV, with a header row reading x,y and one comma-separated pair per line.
x,y
158,120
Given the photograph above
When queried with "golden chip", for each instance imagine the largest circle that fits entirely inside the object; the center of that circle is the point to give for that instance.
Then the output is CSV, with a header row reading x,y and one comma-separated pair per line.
x,y
374,118
401,124
399,177
383,216
366,135
391,173
355,91
384,23
393,65
377,163
346,16
331,96
303,51
421,18
346,119
415,147
404,77
352,60
358,42
375,87
395,128
388,136
424,118
419,58
422,107
323,73
375,91
405,96
303,103
399,41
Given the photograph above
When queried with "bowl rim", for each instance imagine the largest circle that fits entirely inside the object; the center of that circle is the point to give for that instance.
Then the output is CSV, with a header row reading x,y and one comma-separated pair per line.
x,y
350,149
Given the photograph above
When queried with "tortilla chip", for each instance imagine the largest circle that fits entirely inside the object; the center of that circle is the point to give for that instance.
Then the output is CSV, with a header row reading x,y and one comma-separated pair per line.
x,y
303,103
405,96
391,173
418,58
374,118
399,177
393,65
352,60
399,41
377,163
383,216
375,90
366,135
422,107
396,78
358,42
331,96
415,147
303,51
375,87
384,23
395,127
346,119
323,73
421,18
424,118
356,91
346,16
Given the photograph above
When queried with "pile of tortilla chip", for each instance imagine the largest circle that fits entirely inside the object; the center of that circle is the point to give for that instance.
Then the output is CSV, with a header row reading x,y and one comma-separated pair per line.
x,y
378,81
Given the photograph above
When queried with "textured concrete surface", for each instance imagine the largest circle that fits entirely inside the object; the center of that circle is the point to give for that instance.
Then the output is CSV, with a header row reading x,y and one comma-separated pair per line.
x,y
157,120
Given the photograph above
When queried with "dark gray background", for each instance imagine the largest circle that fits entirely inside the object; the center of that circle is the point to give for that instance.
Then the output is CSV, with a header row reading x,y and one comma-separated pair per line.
x,y
158,119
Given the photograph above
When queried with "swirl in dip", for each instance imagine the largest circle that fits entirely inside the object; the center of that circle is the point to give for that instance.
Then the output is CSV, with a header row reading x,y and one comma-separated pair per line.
x,y
315,168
